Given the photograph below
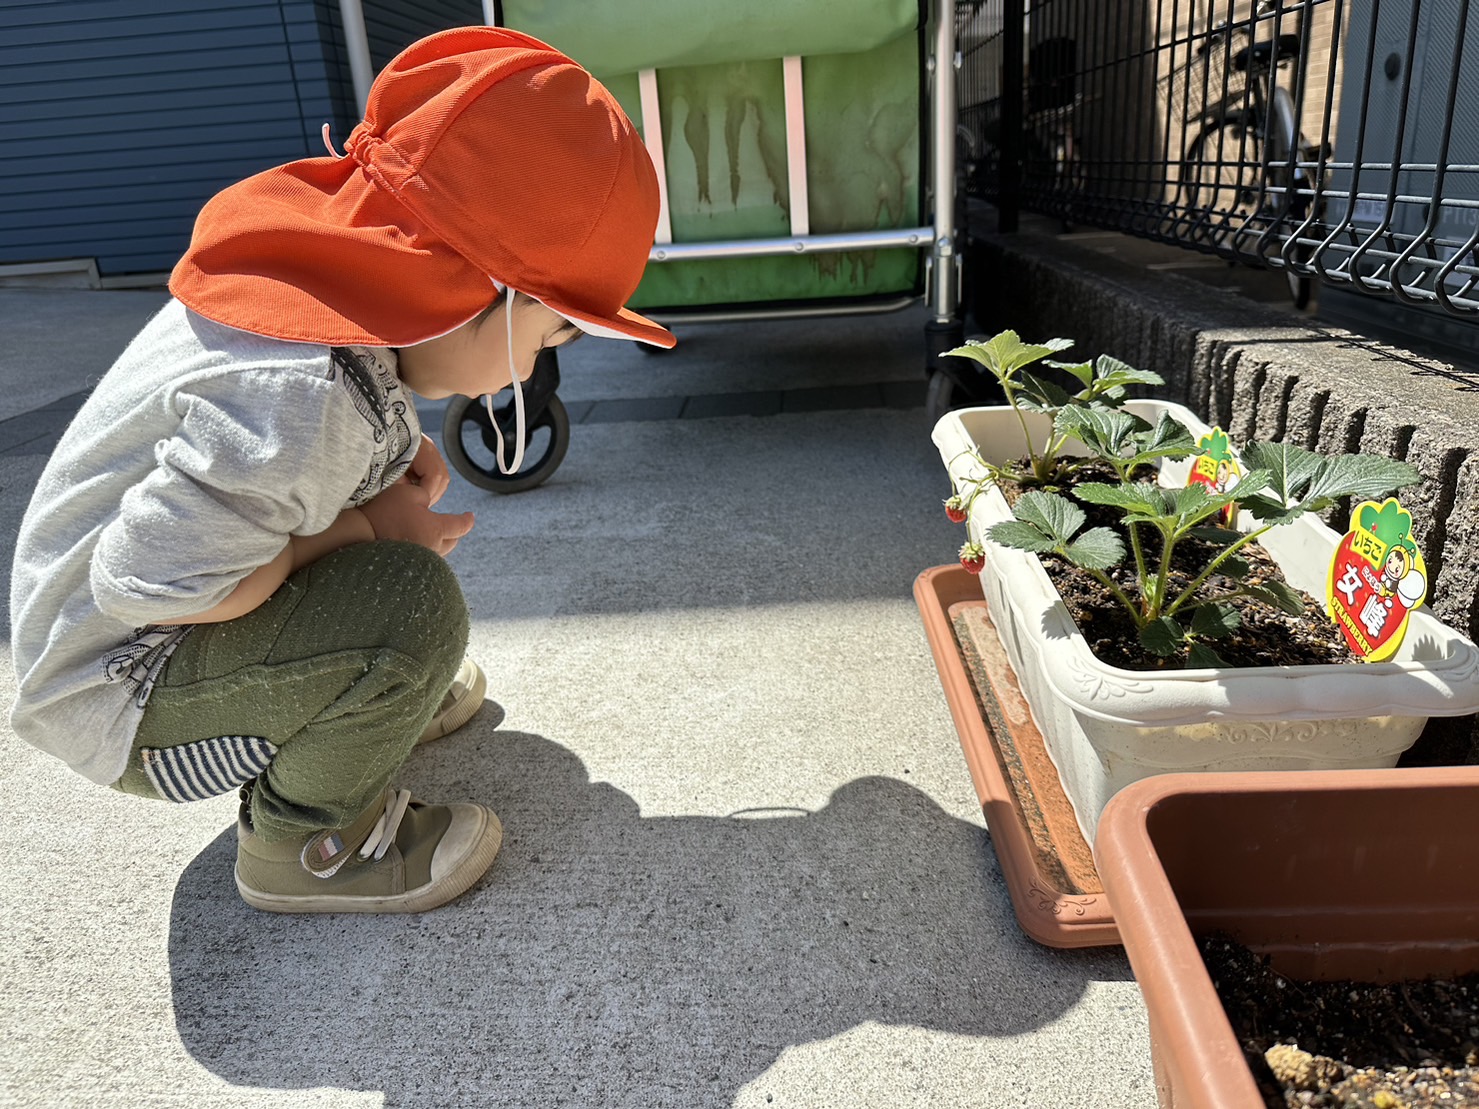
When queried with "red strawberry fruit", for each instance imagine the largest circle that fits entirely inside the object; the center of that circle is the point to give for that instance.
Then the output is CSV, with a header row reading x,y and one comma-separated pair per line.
x,y
955,509
973,557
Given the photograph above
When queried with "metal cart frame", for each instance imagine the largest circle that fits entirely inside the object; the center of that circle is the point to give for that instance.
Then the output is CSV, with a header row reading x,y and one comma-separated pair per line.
x,y
940,240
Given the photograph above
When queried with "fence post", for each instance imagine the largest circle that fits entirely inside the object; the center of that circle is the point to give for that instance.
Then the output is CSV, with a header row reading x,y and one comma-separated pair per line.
x,y
1013,60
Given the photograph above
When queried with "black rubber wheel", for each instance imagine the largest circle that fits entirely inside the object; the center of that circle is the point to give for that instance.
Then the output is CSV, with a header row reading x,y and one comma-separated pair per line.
x,y
471,445
939,396
1299,289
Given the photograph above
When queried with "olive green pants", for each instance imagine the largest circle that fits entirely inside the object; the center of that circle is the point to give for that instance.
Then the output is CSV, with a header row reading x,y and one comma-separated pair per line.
x,y
329,684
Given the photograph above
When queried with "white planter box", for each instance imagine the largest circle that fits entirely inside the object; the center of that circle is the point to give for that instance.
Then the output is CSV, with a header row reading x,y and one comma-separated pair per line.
x,y
1105,727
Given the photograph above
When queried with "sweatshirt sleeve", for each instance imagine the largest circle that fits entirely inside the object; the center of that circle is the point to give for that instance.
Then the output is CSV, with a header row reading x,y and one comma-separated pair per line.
x,y
258,455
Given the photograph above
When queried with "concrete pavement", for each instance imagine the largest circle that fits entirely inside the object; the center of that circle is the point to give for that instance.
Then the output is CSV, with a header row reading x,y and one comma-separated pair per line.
x,y
744,864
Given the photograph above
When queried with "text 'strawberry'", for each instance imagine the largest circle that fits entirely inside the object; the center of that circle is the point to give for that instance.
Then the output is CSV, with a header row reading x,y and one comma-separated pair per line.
x,y
955,509
973,557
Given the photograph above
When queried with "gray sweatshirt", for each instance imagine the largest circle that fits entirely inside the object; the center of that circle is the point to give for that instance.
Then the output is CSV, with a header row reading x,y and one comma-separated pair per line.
x,y
188,467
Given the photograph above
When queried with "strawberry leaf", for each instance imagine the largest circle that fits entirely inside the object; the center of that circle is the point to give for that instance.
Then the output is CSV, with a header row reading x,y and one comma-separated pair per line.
x,y
1234,567
1282,596
1203,656
1021,536
1096,549
1290,468
1359,476
1105,431
1168,439
1215,621
1110,372
1191,499
1163,637
1039,395
1084,371
1221,536
1137,496
1267,510
1056,516
1005,353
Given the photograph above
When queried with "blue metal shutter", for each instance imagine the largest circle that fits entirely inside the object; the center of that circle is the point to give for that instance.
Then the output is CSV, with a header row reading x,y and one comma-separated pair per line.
x,y
119,119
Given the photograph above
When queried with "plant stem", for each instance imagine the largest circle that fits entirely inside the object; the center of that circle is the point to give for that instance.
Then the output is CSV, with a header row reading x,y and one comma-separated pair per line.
x,y
1119,594
1134,530
1050,449
1224,597
1168,544
1211,568
1011,394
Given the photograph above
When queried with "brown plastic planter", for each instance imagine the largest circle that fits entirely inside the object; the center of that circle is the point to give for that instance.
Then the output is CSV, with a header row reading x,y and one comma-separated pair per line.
x,y
1363,874
1049,871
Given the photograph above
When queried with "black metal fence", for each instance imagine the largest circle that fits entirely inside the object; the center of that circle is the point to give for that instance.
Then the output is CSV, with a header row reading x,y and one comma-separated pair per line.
x,y
1335,139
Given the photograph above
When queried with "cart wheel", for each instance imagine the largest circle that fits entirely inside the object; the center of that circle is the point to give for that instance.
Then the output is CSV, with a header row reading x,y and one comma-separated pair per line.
x,y
939,396
471,445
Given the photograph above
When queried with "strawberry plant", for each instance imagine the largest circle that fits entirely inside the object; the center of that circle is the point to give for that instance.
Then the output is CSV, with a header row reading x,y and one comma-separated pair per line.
x,y
1092,416
1096,404
1283,483
1152,524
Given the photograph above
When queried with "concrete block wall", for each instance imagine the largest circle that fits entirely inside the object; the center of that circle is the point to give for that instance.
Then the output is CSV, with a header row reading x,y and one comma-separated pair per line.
x,y
1264,374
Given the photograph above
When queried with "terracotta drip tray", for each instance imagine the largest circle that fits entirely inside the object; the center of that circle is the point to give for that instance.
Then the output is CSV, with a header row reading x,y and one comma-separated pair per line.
x,y
1049,869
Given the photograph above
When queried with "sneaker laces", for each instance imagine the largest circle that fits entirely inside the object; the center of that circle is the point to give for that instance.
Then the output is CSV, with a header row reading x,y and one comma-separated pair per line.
x,y
382,835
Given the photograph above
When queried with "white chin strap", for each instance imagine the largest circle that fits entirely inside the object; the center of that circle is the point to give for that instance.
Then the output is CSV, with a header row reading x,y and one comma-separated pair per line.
x,y
513,373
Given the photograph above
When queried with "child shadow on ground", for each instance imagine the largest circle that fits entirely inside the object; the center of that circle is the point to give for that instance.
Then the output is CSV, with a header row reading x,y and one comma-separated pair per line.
x,y
610,959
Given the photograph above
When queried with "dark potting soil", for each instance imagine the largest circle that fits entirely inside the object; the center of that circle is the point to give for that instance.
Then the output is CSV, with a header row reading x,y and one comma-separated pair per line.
x,y
1350,1045
1266,636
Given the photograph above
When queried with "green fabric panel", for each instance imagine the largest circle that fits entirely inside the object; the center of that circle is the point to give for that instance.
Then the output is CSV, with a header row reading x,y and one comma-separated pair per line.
x,y
622,36
763,280
724,141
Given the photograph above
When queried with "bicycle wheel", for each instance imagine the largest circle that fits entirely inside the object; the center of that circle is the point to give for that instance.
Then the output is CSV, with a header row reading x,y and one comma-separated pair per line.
x,y
1220,176
1300,285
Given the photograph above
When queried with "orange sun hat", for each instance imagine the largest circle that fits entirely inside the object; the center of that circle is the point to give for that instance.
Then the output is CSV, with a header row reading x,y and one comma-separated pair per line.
x,y
484,156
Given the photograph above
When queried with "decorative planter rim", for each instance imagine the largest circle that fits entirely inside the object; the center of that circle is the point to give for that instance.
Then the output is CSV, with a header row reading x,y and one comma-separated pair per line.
x,y
1445,686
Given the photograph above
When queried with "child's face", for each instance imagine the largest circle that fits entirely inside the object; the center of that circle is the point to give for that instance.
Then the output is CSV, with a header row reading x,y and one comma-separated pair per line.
x,y
473,360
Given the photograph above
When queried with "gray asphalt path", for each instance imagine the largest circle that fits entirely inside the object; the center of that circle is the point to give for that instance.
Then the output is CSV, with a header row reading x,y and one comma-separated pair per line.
x,y
744,863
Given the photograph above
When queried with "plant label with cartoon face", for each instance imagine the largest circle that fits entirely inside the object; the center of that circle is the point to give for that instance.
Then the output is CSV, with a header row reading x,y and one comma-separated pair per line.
x,y
1216,468
1377,577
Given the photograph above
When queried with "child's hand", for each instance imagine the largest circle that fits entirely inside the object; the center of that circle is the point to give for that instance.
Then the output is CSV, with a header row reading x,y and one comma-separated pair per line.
x,y
403,511
428,470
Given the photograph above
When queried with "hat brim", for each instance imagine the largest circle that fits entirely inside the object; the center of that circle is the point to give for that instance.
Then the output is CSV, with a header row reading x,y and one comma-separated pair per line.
x,y
626,324
330,258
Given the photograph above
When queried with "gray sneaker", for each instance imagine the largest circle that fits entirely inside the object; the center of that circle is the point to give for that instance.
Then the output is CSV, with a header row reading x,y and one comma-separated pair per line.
x,y
400,856
463,699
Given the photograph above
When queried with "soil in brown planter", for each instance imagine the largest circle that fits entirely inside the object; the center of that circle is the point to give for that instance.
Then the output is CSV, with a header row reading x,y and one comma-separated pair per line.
x,y
1351,1045
1266,636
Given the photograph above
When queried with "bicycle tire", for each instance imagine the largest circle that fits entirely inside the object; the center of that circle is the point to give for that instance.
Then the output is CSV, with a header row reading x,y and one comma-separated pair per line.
x,y
1301,285
1287,145
1220,172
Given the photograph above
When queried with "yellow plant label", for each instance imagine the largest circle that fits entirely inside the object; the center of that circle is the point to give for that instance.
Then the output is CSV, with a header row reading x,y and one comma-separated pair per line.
x,y
1216,468
1377,578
